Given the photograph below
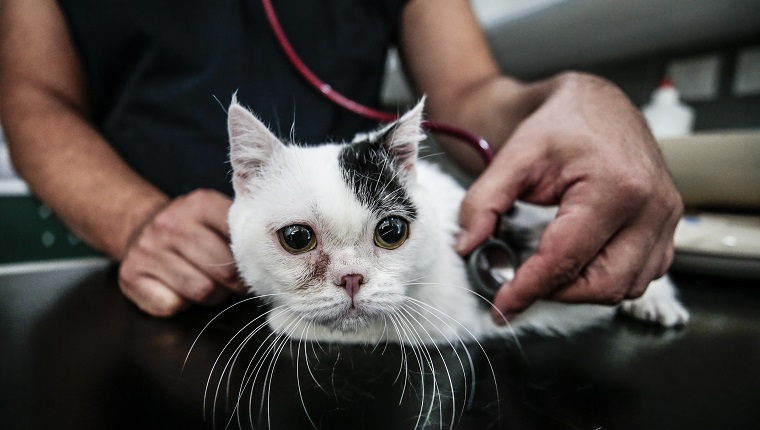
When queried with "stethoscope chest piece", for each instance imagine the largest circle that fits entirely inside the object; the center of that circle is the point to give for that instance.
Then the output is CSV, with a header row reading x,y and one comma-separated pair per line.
x,y
491,265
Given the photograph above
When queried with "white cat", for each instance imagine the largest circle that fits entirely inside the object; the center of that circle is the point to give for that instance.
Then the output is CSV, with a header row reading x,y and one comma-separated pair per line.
x,y
353,243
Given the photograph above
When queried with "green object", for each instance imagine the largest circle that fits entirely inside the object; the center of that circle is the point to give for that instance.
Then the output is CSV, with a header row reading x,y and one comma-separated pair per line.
x,y
29,231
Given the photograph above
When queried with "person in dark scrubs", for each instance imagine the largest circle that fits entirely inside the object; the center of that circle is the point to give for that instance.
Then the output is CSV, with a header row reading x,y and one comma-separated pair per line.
x,y
114,116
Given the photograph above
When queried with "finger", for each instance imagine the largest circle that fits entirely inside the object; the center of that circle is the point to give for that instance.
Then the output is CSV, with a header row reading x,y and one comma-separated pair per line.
x,y
569,243
195,227
667,259
152,296
184,279
210,254
621,270
636,255
490,196
210,208
667,240
659,262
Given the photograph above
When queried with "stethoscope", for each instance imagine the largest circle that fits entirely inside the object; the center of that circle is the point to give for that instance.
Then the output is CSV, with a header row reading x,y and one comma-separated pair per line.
x,y
491,264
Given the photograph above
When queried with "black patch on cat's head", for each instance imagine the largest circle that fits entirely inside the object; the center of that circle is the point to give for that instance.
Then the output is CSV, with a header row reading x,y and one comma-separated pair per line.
x,y
375,178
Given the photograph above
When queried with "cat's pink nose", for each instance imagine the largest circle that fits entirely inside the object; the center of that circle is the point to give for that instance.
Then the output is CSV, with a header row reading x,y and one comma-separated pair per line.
x,y
352,283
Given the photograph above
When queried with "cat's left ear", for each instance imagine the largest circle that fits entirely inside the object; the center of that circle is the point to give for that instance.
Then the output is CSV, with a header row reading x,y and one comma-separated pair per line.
x,y
402,138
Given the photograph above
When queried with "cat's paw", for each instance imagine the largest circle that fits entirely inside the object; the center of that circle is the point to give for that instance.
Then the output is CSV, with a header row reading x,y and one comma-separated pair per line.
x,y
658,305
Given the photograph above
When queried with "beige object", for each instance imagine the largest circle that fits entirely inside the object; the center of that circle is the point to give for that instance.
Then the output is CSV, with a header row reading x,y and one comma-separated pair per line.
x,y
715,169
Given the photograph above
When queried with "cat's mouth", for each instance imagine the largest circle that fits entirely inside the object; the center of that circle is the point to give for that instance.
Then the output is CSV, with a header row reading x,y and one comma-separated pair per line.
x,y
350,319
353,321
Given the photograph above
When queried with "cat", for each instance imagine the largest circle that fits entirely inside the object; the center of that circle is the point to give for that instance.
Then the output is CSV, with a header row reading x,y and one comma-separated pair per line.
x,y
354,243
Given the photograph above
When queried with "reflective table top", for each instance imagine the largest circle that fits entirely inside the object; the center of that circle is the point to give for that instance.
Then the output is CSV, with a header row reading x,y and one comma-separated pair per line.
x,y
76,355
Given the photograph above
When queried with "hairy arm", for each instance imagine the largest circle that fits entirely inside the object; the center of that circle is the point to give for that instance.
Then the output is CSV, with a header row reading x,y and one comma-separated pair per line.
x,y
448,59
173,252
573,140
44,109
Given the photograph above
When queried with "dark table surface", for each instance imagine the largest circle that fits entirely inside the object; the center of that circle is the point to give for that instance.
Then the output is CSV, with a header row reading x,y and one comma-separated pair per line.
x,y
74,354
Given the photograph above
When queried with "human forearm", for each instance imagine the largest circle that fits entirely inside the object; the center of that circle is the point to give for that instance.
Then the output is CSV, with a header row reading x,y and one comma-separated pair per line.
x,y
462,81
44,110
492,109
74,170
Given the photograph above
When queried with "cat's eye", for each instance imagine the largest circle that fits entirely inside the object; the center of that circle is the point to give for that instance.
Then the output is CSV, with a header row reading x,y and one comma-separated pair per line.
x,y
297,239
391,232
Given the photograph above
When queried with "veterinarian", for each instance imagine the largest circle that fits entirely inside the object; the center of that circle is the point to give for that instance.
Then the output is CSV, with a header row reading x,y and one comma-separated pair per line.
x,y
110,117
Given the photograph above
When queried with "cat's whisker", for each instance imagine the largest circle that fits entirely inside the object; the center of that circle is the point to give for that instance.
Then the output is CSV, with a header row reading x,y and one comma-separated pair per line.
x,y
238,350
292,134
187,357
332,376
418,355
283,339
410,337
434,313
383,335
298,378
431,155
229,366
424,357
406,310
268,378
310,325
227,370
216,362
477,342
403,352
408,304
313,347
401,332
512,333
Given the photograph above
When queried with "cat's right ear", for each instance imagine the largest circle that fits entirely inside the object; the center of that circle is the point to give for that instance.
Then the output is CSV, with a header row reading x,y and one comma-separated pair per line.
x,y
252,145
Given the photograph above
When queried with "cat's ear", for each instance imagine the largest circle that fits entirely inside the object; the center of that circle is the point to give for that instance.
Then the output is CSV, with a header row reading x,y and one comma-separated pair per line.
x,y
252,145
402,138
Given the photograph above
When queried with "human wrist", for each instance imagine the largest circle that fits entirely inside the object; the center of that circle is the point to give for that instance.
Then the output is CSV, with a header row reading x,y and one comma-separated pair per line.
x,y
496,108
136,218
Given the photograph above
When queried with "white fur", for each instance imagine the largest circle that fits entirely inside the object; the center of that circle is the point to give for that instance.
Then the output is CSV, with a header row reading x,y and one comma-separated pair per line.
x,y
417,293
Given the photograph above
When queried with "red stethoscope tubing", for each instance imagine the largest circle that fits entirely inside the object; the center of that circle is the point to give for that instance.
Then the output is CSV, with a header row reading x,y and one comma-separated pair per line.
x,y
474,140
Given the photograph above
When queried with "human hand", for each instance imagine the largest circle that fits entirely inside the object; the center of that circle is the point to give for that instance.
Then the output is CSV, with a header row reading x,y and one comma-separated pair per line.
x,y
181,256
587,149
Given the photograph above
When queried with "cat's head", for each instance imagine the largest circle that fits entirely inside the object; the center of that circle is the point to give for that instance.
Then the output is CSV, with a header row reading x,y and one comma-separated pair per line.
x,y
334,233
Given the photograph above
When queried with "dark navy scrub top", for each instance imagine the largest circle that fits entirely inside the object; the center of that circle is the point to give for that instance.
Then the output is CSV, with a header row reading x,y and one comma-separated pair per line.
x,y
161,74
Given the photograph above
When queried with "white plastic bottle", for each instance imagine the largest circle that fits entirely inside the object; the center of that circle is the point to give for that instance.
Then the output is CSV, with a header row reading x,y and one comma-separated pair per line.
x,y
666,115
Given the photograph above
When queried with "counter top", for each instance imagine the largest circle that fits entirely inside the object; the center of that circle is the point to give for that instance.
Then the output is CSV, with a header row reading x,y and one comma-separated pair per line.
x,y
77,355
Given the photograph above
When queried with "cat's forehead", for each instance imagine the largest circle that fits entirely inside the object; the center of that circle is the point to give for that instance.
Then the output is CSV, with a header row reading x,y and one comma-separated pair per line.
x,y
342,187
310,187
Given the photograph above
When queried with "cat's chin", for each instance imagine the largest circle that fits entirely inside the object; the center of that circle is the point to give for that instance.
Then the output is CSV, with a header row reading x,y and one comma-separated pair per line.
x,y
352,321
350,325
